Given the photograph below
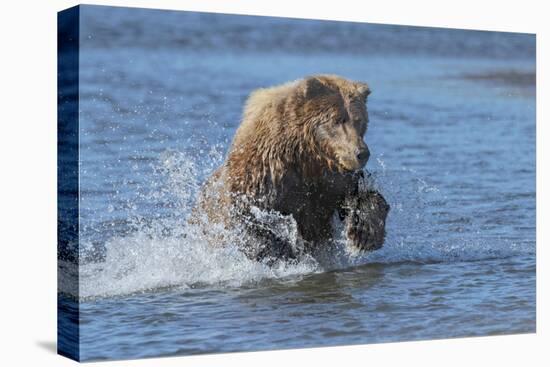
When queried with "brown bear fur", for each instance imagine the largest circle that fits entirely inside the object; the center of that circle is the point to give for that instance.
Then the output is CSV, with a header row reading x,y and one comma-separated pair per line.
x,y
299,152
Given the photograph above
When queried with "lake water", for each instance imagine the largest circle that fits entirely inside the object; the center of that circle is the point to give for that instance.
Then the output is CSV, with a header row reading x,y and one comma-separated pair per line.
x,y
452,141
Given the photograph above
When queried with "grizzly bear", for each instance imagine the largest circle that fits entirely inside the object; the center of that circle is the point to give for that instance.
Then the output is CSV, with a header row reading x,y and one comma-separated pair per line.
x,y
297,159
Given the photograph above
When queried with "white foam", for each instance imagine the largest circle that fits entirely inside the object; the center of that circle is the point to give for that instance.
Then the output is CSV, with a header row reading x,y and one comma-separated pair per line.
x,y
169,252
140,263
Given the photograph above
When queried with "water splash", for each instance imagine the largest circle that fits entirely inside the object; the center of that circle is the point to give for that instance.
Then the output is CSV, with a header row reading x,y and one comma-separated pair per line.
x,y
168,251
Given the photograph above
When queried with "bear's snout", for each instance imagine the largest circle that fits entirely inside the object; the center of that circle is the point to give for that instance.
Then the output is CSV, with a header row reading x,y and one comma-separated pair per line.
x,y
363,155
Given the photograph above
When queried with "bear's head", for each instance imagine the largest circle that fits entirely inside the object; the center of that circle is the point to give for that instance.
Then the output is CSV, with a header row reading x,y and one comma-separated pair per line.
x,y
337,119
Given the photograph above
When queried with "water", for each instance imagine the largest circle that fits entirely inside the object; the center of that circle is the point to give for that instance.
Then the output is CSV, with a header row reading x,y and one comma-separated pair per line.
x,y
452,137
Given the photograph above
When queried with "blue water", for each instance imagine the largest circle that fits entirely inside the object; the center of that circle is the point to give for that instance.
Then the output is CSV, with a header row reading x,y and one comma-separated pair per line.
x,y
452,137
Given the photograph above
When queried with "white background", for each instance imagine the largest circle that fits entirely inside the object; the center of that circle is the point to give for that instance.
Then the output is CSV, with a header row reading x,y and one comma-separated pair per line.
x,y
28,182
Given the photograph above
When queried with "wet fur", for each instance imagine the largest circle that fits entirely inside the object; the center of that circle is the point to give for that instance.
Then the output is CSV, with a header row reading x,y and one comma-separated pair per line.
x,y
285,158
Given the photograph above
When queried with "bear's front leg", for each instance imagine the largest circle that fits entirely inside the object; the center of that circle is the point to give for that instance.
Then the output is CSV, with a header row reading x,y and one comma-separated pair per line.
x,y
365,215
267,235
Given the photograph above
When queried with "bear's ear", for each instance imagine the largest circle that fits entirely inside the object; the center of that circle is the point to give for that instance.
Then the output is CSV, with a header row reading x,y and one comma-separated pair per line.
x,y
315,88
363,89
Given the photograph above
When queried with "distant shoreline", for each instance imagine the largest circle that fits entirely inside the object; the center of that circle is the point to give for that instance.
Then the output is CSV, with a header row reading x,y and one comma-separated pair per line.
x,y
509,77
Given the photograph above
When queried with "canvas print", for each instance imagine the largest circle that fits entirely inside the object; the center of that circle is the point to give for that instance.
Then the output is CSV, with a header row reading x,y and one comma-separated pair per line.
x,y
232,183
